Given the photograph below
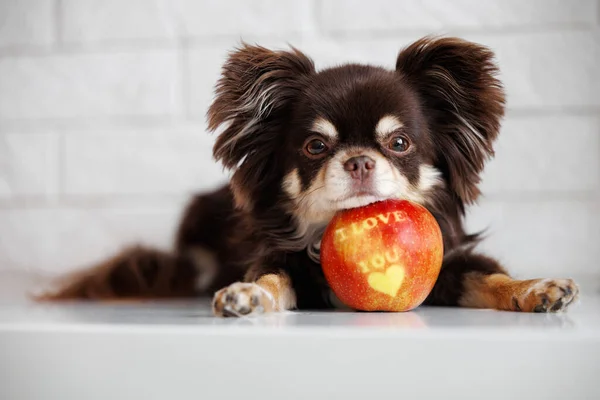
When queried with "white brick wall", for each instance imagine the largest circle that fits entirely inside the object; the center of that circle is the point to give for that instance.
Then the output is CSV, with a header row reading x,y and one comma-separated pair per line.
x,y
29,164
100,163
341,16
102,104
144,83
26,22
93,21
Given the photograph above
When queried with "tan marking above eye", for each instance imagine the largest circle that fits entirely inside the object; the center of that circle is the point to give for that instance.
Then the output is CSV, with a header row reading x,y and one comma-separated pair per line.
x,y
387,125
325,128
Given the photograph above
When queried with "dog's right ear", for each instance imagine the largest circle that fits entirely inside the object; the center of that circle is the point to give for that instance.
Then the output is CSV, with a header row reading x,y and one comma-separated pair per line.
x,y
255,85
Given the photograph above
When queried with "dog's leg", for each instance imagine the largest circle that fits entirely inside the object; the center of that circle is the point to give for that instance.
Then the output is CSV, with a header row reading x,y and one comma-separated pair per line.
x,y
472,280
270,292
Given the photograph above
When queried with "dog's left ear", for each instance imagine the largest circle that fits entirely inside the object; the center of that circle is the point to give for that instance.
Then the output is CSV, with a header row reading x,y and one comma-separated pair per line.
x,y
464,103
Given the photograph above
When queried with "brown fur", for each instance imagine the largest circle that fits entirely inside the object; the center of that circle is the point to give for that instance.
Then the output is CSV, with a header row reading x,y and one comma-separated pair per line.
x,y
446,95
457,79
504,293
135,273
280,287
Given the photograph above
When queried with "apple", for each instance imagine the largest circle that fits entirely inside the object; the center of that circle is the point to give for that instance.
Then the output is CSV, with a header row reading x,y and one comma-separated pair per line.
x,y
385,256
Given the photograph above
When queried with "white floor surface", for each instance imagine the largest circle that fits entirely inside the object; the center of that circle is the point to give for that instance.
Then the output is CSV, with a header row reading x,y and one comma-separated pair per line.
x,y
179,351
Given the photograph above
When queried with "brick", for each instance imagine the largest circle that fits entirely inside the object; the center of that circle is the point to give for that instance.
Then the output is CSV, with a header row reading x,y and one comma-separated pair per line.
x,y
391,15
541,71
109,20
90,85
64,239
542,238
545,154
96,20
234,18
26,23
29,164
143,161
548,70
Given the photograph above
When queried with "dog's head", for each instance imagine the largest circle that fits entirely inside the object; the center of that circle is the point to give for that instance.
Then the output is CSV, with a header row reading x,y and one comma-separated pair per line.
x,y
317,142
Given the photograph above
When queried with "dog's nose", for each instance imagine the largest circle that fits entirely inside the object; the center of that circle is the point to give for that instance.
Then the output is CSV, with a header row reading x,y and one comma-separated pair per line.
x,y
359,167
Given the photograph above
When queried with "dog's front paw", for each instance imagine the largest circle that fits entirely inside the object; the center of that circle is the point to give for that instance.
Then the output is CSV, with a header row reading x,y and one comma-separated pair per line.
x,y
547,295
240,299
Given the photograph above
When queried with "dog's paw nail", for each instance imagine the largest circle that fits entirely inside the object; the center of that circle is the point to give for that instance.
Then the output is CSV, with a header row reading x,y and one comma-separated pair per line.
x,y
557,306
539,309
516,305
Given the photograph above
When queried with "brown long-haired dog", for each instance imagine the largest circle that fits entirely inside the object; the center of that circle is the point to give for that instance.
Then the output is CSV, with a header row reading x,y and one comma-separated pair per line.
x,y
304,144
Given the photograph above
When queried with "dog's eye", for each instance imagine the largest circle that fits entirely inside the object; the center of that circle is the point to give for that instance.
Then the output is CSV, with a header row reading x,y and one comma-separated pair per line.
x,y
399,144
315,147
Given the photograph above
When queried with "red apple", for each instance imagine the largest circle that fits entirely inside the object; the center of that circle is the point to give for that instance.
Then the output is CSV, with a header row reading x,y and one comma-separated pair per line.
x,y
385,256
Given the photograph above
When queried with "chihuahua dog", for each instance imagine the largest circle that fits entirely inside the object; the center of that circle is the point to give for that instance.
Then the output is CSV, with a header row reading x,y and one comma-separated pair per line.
x,y
303,144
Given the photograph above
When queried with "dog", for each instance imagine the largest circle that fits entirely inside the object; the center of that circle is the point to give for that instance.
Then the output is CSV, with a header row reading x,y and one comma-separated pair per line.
x,y
303,144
